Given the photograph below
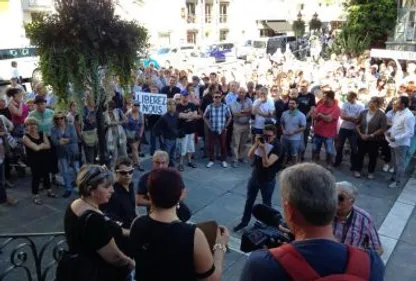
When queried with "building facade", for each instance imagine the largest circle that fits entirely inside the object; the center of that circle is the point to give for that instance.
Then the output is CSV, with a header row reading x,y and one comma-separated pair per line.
x,y
405,32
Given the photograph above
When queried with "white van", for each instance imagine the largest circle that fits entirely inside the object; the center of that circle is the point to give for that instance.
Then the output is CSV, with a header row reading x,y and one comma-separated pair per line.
x,y
172,55
252,48
27,62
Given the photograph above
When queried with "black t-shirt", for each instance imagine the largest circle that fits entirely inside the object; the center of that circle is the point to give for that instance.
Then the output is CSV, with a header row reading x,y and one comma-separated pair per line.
x,y
264,174
187,127
163,251
324,256
280,106
97,233
170,92
305,102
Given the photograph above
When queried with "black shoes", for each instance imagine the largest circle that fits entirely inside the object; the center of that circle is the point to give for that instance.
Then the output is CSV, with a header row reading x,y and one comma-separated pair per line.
x,y
66,194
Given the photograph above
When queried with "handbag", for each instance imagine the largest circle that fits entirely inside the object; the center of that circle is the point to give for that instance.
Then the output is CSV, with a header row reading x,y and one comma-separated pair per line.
x,y
77,266
90,137
131,135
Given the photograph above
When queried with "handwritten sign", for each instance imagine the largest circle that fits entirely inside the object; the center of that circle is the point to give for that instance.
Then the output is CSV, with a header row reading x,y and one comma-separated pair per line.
x,y
152,103
392,54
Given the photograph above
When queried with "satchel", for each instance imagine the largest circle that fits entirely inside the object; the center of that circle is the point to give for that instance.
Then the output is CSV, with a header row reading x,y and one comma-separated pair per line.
x,y
77,266
90,137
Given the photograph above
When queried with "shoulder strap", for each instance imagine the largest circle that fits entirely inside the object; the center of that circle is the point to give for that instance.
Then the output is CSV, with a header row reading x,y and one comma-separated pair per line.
x,y
358,263
294,263
82,226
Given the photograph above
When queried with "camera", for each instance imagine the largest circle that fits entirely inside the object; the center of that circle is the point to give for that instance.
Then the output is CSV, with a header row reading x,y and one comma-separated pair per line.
x,y
261,139
265,233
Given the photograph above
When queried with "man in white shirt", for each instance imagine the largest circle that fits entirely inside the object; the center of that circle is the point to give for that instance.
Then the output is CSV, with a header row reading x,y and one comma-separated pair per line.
x,y
263,110
399,137
349,115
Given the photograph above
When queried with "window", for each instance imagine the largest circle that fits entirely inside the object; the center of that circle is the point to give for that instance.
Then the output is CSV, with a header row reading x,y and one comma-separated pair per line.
x,y
223,35
410,26
223,12
190,9
208,13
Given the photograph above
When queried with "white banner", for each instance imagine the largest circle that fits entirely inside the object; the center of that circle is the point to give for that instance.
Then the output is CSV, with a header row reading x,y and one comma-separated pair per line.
x,y
392,54
152,103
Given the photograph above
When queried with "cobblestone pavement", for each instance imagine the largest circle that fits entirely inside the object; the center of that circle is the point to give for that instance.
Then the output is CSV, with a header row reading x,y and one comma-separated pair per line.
x,y
219,194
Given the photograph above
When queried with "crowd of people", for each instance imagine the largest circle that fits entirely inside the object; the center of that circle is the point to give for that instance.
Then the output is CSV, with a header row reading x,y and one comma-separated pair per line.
x,y
267,115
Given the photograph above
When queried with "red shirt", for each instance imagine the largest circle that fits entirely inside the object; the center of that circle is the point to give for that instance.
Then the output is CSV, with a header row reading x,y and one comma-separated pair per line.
x,y
326,129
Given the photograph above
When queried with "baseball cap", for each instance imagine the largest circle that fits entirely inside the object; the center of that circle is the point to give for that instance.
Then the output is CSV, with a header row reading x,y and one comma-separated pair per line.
x,y
184,93
39,99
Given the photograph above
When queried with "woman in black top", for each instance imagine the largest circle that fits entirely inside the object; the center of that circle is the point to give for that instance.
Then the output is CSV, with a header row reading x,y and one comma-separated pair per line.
x,y
38,156
97,241
163,247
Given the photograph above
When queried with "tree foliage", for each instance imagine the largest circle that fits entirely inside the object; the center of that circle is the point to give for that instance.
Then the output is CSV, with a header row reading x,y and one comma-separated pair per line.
x,y
299,27
350,44
81,37
374,19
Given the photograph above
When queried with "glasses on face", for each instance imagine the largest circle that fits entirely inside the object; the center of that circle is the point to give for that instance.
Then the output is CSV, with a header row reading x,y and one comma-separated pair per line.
x,y
125,173
159,163
342,198
137,105
217,97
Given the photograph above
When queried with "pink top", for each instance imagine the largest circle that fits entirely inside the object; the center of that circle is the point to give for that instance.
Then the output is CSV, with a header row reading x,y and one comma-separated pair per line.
x,y
18,120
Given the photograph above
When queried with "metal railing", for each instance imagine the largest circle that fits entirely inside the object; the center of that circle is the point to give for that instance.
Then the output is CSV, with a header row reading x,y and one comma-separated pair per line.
x,y
208,19
223,18
30,256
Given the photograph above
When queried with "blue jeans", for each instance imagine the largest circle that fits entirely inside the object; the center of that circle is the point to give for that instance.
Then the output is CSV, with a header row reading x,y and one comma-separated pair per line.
x,y
317,143
170,148
343,135
65,169
266,188
400,162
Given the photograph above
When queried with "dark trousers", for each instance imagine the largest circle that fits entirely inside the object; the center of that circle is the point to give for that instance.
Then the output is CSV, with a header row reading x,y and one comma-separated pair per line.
x,y
343,135
3,194
306,134
370,148
39,174
266,187
170,148
213,137
153,139
385,151
229,138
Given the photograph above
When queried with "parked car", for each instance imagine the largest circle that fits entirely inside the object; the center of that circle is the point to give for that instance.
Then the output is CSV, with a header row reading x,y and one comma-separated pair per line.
x,y
27,63
222,51
170,55
252,48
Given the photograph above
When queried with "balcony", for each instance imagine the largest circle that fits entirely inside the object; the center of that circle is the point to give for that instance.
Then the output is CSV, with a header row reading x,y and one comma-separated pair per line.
x,y
38,5
208,19
191,19
223,18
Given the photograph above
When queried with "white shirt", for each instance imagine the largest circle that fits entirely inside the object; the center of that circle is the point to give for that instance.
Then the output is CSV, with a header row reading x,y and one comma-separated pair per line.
x,y
403,128
265,108
351,110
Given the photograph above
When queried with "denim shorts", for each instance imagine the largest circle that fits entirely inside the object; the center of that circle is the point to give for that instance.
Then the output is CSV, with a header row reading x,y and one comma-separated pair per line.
x,y
292,147
317,142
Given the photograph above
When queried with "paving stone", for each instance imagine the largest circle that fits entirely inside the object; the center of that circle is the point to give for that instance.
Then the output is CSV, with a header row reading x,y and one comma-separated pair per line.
x,y
401,265
409,233
234,273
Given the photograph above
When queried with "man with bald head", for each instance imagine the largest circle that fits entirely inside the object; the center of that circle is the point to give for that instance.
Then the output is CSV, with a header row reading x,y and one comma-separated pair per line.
x,y
352,225
241,111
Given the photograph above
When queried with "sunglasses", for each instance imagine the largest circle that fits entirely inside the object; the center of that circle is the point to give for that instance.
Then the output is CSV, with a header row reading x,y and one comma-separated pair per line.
x,y
60,118
125,173
137,105
342,198
217,97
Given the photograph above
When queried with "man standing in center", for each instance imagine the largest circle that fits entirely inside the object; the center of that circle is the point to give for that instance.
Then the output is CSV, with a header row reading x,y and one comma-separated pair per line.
x,y
217,117
241,110
326,116
188,114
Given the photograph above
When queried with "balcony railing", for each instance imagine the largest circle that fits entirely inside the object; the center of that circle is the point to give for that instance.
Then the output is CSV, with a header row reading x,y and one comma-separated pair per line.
x,y
30,256
191,19
208,19
223,18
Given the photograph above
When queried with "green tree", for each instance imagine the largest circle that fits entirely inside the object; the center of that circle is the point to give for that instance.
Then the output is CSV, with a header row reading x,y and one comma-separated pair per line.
x,y
81,47
375,19
299,26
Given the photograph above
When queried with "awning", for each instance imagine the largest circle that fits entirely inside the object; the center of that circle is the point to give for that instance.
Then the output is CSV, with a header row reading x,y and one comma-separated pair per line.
x,y
279,26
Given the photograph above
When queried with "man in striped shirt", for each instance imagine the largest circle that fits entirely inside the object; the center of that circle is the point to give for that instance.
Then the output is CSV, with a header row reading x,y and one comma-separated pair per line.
x,y
352,225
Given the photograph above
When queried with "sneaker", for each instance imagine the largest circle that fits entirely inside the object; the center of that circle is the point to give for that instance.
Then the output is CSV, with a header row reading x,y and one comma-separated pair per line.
x,y
391,171
357,174
235,164
21,164
181,168
386,168
370,176
394,185
224,164
239,227
11,201
210,164
8,184
192,165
